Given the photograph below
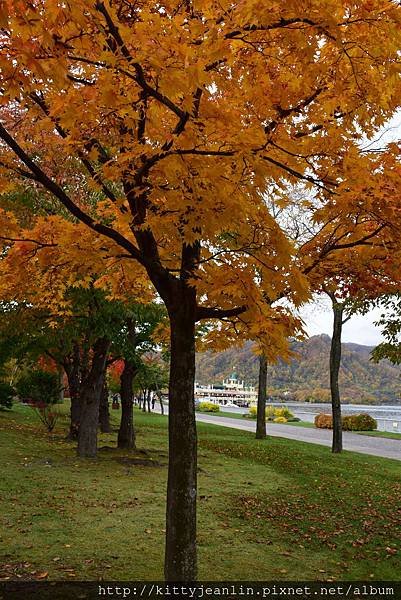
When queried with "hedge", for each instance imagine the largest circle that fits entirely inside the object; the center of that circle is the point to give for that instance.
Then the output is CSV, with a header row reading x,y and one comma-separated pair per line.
x,y
360,422
208,407
272,413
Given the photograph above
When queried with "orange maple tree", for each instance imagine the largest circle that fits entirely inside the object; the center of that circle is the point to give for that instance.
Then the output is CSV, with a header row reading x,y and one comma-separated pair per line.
x,y
179,117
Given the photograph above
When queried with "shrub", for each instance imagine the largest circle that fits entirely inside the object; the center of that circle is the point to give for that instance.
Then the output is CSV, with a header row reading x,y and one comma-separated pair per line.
x,y
293,419
280,420
39,386
6,395
283,412
270,413
208,407
346,423
323,421
252,413
47,414
361,422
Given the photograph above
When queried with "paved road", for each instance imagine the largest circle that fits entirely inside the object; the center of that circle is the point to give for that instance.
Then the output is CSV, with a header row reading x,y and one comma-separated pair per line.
x,y
377,446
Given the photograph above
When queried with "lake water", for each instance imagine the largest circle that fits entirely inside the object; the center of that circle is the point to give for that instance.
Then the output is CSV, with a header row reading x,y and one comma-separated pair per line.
x,y
388,417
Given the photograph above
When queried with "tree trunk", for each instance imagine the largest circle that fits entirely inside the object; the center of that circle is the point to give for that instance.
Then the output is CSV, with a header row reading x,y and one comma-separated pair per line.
x,y
60,375
180,556
126,433
72,370
75,414
91,389
261,411
335,360
104,412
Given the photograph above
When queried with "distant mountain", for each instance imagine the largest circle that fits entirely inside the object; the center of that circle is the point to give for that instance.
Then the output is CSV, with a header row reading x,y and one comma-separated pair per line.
x,y
307,376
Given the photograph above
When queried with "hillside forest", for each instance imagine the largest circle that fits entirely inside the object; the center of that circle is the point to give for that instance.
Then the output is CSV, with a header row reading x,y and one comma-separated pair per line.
x,y
306,375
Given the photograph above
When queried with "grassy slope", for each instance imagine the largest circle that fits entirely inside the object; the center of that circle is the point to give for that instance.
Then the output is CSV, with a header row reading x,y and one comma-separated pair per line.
x,y
274,509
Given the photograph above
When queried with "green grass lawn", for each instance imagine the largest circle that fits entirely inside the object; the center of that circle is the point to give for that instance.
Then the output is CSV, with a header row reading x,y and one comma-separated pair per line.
x,y
385,434
272,509
224,413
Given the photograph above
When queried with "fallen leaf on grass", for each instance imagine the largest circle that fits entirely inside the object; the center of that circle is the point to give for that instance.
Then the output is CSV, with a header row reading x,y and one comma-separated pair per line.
x,y
42,575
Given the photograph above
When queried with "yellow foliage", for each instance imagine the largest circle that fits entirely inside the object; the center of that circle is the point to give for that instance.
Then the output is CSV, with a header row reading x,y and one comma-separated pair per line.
x,y
172,143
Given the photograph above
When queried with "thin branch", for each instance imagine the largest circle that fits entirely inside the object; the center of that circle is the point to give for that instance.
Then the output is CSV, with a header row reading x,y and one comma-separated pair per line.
x,y
206,312
298,175
66,201
139,72
282,23
41,244
39,100
361,241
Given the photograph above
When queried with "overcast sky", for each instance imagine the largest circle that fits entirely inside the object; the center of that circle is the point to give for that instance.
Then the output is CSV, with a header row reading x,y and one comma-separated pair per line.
x,y
318,318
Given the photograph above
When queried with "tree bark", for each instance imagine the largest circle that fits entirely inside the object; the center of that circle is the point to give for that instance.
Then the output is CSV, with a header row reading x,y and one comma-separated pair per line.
x,y
335,360
60,374
126,432
91,389
261,409
180,556
104,412
72,370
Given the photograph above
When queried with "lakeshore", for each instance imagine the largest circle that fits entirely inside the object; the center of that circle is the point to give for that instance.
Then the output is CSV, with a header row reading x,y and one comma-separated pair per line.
x,y
388,417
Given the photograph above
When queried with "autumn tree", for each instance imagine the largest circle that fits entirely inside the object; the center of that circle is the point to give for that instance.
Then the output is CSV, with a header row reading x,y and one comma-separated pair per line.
x,y
351,254
360,276
152,378
347,300
390,324
181,116
68,307
136,337
25,337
